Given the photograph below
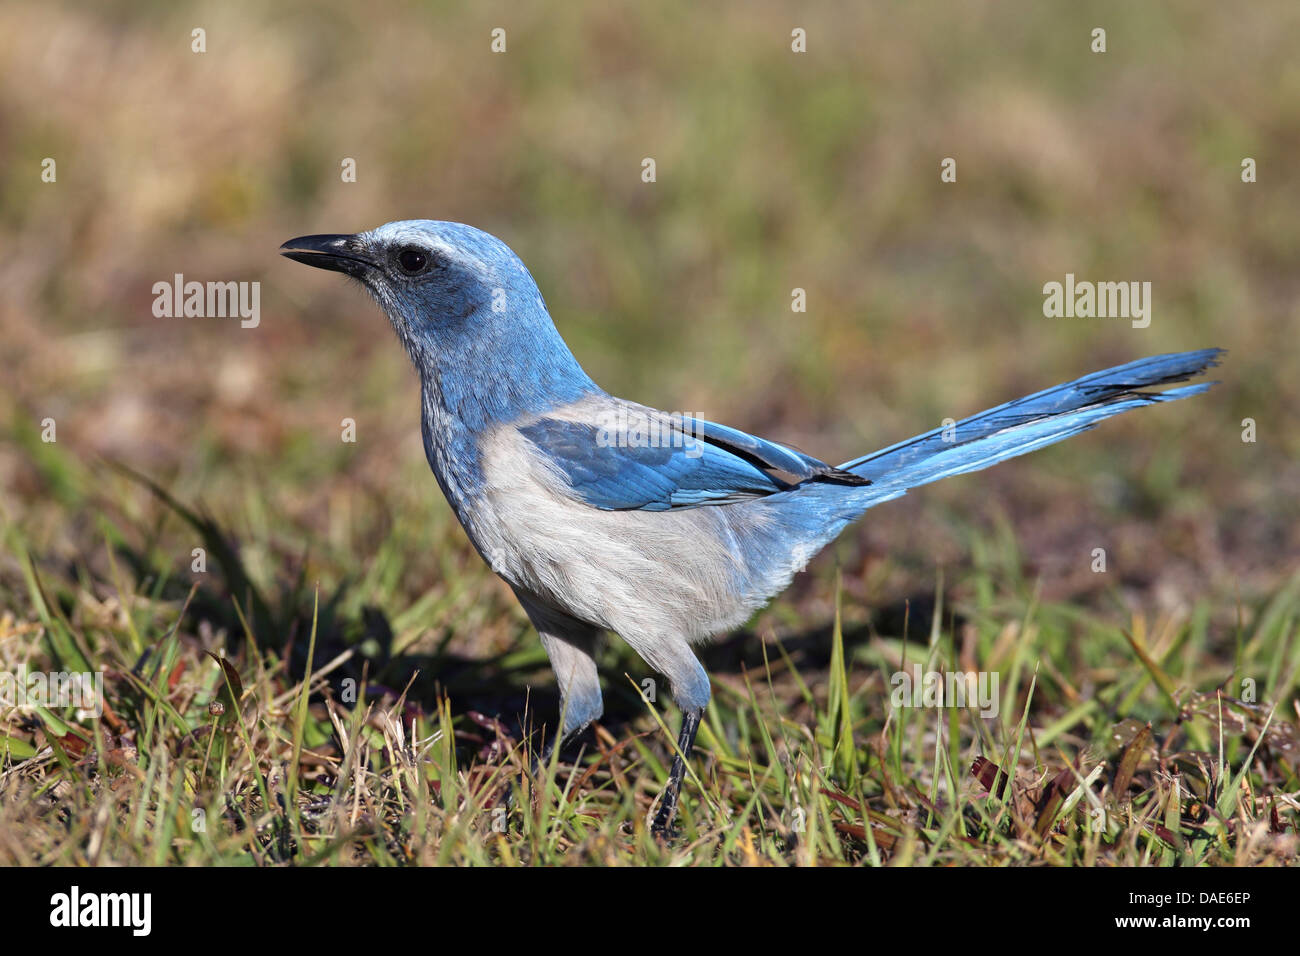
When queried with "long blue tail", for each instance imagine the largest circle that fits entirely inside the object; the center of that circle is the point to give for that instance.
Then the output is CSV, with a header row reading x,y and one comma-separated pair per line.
x,y
1028,423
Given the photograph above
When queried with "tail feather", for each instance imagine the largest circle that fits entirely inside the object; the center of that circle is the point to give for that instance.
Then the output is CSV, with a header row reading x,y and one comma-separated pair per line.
x,y
1030,423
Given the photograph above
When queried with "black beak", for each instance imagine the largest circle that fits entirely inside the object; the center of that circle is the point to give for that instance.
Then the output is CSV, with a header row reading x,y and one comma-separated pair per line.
x,y
340,253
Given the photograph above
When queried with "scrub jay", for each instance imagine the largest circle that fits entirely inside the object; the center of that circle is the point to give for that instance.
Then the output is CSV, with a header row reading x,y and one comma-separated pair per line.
x,y
606,515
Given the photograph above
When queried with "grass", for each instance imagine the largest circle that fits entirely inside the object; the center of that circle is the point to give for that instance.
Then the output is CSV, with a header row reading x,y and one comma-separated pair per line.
x,y
259,719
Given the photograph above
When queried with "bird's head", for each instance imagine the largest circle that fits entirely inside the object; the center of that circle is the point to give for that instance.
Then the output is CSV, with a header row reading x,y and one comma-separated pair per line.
x,y
463,304
437,281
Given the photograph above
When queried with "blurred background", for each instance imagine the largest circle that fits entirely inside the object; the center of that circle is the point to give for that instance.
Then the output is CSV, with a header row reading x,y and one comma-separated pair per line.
x,y
775,170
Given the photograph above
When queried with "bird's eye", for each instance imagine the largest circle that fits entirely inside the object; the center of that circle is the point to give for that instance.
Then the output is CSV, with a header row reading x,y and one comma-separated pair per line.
x,y
413,261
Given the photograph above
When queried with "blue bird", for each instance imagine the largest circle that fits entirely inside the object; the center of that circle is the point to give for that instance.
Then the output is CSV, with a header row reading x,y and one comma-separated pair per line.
x,y
605,515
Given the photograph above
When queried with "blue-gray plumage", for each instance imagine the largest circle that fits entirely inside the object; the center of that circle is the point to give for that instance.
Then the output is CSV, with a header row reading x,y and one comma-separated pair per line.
x,y
605,515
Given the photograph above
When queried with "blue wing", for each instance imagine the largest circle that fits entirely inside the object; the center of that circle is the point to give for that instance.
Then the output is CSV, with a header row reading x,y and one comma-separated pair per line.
x,y
697,462
690,462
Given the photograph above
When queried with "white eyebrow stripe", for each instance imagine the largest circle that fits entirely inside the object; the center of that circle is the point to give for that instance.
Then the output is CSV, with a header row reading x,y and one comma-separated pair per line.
x,y
436,244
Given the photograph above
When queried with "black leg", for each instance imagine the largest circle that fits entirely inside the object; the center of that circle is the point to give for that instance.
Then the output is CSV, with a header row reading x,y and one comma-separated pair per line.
x,y
685,741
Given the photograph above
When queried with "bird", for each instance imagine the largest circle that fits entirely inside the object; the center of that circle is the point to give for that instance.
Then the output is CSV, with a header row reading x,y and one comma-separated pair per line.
x,y
607,516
